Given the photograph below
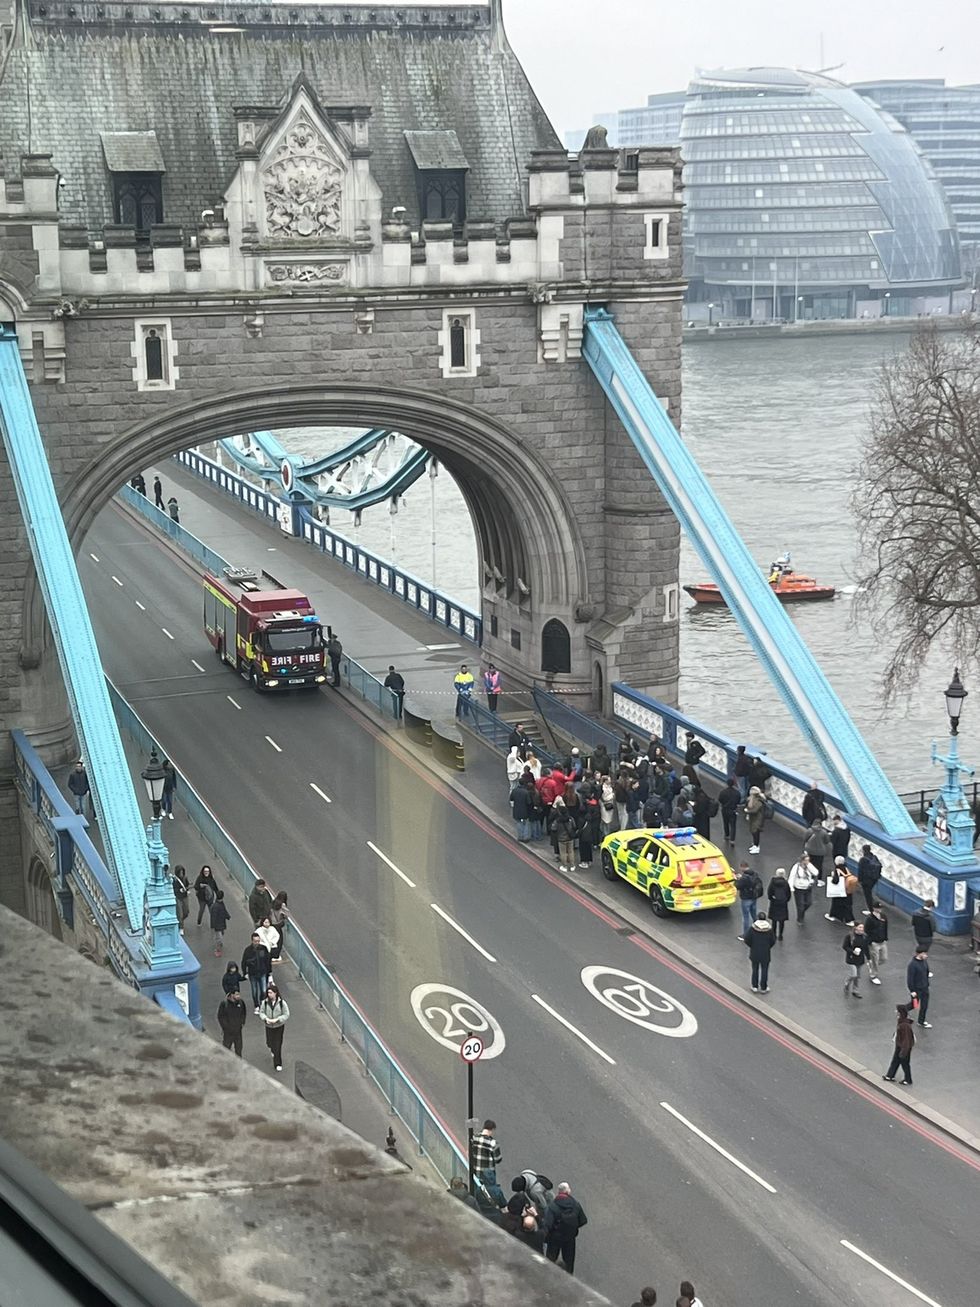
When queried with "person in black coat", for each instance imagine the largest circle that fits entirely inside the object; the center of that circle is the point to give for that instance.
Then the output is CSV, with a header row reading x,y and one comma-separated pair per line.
x,y
759,941
182,889
693,753
814,808
702,806
779,894
855,948
728,800
232,1015
869,873
519,740
922,926
522,808
840,837
917,978
257,966
759,774
204,888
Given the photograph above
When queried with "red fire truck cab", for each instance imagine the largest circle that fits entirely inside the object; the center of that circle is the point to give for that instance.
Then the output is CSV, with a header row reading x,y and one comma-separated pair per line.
x,y
267,632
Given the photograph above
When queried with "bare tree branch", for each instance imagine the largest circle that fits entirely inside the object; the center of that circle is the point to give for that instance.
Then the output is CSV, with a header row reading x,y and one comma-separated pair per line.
x,y
918,503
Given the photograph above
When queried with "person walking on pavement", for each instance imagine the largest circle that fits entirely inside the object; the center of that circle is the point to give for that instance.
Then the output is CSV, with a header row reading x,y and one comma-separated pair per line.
x,y
917,976
231,981
779,895
335,652
204,888
78,788
173,509
840,837
750,887
869,873
522,807
220,916
837,895
687,1291
904,1043
138,483
257,966
922,925
279,916
514,765
259,902
801,882
519,740
694,751
648,1296
158,493
759,942
876,929
562,1221
819,846
169,788
274,1013
491,684
755,815
728,800
855,948
395,682
463,685
232,1015
182,889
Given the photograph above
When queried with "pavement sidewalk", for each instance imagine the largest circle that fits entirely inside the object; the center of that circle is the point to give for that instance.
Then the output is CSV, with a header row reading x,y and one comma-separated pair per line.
x,y
807,974
311,1036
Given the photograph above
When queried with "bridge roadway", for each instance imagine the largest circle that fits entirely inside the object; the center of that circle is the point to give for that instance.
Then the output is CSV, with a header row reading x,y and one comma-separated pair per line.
x,y
818,1174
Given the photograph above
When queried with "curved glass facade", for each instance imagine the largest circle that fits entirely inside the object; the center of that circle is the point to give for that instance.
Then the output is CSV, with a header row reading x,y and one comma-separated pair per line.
x,y
804,199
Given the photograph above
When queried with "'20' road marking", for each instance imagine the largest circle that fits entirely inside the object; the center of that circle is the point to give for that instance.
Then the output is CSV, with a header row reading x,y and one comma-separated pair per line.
x,y
638,1001
449,1015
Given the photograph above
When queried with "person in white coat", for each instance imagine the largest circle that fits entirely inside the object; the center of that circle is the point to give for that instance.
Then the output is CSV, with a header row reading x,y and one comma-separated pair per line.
x,y
802,878
515,768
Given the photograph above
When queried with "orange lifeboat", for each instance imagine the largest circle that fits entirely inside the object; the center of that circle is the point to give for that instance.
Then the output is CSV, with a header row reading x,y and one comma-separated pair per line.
x,y
788,586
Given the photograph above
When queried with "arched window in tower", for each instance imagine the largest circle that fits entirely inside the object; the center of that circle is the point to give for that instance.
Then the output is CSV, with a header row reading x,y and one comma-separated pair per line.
x,y
153,355
556,647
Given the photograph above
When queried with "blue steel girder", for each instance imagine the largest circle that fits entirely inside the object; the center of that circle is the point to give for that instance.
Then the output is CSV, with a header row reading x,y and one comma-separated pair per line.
x,y
275,453
816,708
112,788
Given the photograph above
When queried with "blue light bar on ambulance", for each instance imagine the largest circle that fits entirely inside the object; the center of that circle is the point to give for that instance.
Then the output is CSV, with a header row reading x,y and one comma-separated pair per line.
x,y
679,834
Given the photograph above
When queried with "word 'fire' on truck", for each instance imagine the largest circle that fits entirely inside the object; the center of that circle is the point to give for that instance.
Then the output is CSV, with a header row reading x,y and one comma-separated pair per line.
x,y
267,632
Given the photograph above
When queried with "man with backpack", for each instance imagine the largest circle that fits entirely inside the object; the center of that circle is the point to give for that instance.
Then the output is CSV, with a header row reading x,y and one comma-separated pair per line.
x,y
750,888
563,1219
869,874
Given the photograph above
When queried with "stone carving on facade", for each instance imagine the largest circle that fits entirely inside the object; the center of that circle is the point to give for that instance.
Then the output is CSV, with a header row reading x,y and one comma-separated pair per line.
x,y
302,185
306,274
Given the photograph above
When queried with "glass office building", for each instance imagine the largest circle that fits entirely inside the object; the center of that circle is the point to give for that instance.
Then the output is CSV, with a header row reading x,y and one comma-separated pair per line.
x,y
803,199
945,122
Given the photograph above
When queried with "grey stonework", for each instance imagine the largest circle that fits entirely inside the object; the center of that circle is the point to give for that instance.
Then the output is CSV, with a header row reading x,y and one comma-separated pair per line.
x,y
266,329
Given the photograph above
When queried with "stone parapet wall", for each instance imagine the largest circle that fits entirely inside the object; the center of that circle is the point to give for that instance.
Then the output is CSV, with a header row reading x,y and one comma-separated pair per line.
x,y
189,1152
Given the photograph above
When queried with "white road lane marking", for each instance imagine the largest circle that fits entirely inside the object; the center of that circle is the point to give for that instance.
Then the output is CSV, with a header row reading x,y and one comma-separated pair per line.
x,y
273,743
141,607
233,703
388,862
95,558
846,1243
166,632
459,929
640,1002
574,1029
117,581
195,663
717,1147
316,790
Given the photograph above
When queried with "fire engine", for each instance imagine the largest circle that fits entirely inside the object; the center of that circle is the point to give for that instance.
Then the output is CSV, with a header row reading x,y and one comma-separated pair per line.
x,y
267,632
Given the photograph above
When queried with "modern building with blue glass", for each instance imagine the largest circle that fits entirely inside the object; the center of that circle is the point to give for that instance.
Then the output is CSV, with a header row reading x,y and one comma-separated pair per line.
x,y
945,122
804,200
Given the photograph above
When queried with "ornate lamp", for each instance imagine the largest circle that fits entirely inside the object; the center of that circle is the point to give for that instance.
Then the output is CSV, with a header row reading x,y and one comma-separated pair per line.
x,y
955,694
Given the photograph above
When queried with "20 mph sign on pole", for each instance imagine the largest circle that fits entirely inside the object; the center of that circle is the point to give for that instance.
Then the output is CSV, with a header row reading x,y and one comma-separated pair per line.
x,y
471,1050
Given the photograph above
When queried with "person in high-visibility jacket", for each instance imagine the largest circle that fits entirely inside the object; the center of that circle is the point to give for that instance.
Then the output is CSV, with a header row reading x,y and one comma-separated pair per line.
x,y
463,684
491,683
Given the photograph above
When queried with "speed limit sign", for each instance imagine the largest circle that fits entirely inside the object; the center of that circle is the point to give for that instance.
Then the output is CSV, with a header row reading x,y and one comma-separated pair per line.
x,y
471,1049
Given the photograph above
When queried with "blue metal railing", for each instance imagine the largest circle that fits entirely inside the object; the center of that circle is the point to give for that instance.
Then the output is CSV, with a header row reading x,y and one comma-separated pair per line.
x,y
80,871
844,755
362,682
563,717
71,627
404,586
194,548
403,1097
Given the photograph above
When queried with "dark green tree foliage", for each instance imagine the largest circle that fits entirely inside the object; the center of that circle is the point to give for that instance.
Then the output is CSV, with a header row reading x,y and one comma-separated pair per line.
x,y
918,503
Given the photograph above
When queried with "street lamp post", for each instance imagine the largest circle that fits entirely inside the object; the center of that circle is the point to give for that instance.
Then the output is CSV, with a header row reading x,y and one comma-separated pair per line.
x,y
161,934
711,312
888,296
799,305
951,825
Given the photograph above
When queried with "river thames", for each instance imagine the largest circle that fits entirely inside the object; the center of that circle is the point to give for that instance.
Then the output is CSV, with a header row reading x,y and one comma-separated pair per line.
x,y
777,425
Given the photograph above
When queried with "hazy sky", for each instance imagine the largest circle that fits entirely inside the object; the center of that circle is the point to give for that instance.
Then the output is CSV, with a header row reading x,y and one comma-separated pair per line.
x,y
589,56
